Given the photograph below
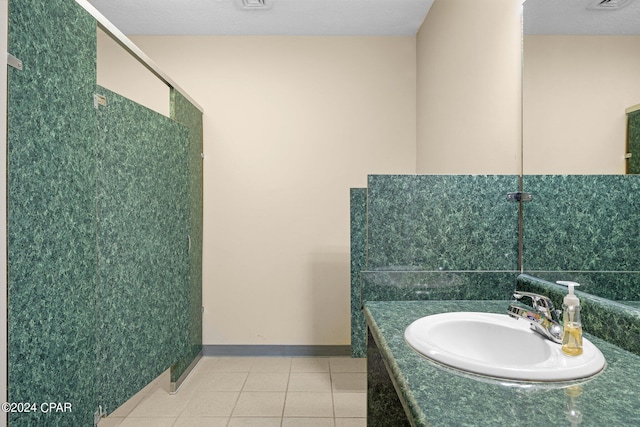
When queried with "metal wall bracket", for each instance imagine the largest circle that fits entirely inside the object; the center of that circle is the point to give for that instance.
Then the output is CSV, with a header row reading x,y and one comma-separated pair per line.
x,y
519,197
14,62
98,415
99,100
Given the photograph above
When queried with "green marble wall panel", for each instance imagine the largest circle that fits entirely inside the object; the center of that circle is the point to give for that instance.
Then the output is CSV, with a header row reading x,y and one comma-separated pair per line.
x,y
51,211
432,237
584,228
633,135
442,222
358,233
186,113
142,239
582,223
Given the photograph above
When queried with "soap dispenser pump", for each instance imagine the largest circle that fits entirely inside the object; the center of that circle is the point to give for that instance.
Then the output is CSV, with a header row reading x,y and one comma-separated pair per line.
x,y
572,325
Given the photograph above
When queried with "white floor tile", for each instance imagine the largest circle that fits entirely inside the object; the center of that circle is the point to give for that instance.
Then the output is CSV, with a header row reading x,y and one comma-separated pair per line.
x,y
351,422
310,364
350,404
271,364
348,382
148,422
259,404
193,381
210,404
222,381
160,404
254,422
206,363
110,422
125,409
347,364
310,381
267,381
307,422
308,404
232,364
202,422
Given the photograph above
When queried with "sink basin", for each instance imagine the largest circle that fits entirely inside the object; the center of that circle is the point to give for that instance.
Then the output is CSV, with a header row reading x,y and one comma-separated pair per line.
x,y
499,346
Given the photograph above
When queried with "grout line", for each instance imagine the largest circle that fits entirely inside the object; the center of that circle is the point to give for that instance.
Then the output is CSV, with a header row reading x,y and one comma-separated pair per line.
x,y
244,384
286,392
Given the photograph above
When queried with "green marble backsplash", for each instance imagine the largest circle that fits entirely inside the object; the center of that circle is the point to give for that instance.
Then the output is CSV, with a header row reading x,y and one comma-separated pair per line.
x,y
431,237
104,226
436,285
617,323
584,228
456,237
442,222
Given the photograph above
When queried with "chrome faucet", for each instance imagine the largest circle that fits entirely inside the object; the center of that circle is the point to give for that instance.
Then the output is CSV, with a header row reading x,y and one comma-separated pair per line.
x,y
541,314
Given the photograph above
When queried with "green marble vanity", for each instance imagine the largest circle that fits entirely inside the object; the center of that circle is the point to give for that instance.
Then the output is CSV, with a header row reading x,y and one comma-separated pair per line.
x,y
405,389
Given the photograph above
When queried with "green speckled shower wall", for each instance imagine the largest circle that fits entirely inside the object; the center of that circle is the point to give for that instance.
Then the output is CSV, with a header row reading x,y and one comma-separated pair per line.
x,y
185,113
102,205
51,211
142,239
633,135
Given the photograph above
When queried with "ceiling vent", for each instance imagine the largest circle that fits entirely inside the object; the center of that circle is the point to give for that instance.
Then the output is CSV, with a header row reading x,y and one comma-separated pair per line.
x,y
608,4
255,4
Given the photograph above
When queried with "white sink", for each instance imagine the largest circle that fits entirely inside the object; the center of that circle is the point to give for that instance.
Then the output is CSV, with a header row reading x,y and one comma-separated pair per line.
x,y
499,346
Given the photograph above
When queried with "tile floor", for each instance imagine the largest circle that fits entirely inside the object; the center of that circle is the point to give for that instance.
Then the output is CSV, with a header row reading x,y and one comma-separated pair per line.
x,y
255,392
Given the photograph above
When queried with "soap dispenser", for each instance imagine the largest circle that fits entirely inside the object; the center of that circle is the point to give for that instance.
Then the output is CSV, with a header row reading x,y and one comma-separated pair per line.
x,y
572,325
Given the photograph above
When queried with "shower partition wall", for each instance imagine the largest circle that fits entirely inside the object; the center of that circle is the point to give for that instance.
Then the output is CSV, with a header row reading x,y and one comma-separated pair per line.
x,y
104,227
51,212
142,213
183,111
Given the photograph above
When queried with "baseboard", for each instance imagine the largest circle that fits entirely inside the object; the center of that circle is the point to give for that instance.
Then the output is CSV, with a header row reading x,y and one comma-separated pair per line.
x,y
277,350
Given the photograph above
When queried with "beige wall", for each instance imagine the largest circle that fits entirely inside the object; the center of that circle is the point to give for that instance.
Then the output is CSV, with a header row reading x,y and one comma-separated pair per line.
x,y
468,88
290,124
120,72
576,90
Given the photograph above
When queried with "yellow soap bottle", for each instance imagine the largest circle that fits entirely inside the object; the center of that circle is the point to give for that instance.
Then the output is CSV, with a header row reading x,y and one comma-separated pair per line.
x,y
572,325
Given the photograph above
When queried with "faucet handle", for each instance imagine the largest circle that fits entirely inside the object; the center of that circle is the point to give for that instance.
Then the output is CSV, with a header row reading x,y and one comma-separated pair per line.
x,y
541,303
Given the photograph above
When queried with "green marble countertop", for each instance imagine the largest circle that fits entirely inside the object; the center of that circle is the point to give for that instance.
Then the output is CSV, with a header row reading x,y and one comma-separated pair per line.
x,y
438,396
635,304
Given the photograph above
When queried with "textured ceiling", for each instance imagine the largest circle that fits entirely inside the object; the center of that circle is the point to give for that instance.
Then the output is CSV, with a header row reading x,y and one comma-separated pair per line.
x,y
345,17
282,17
573,17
